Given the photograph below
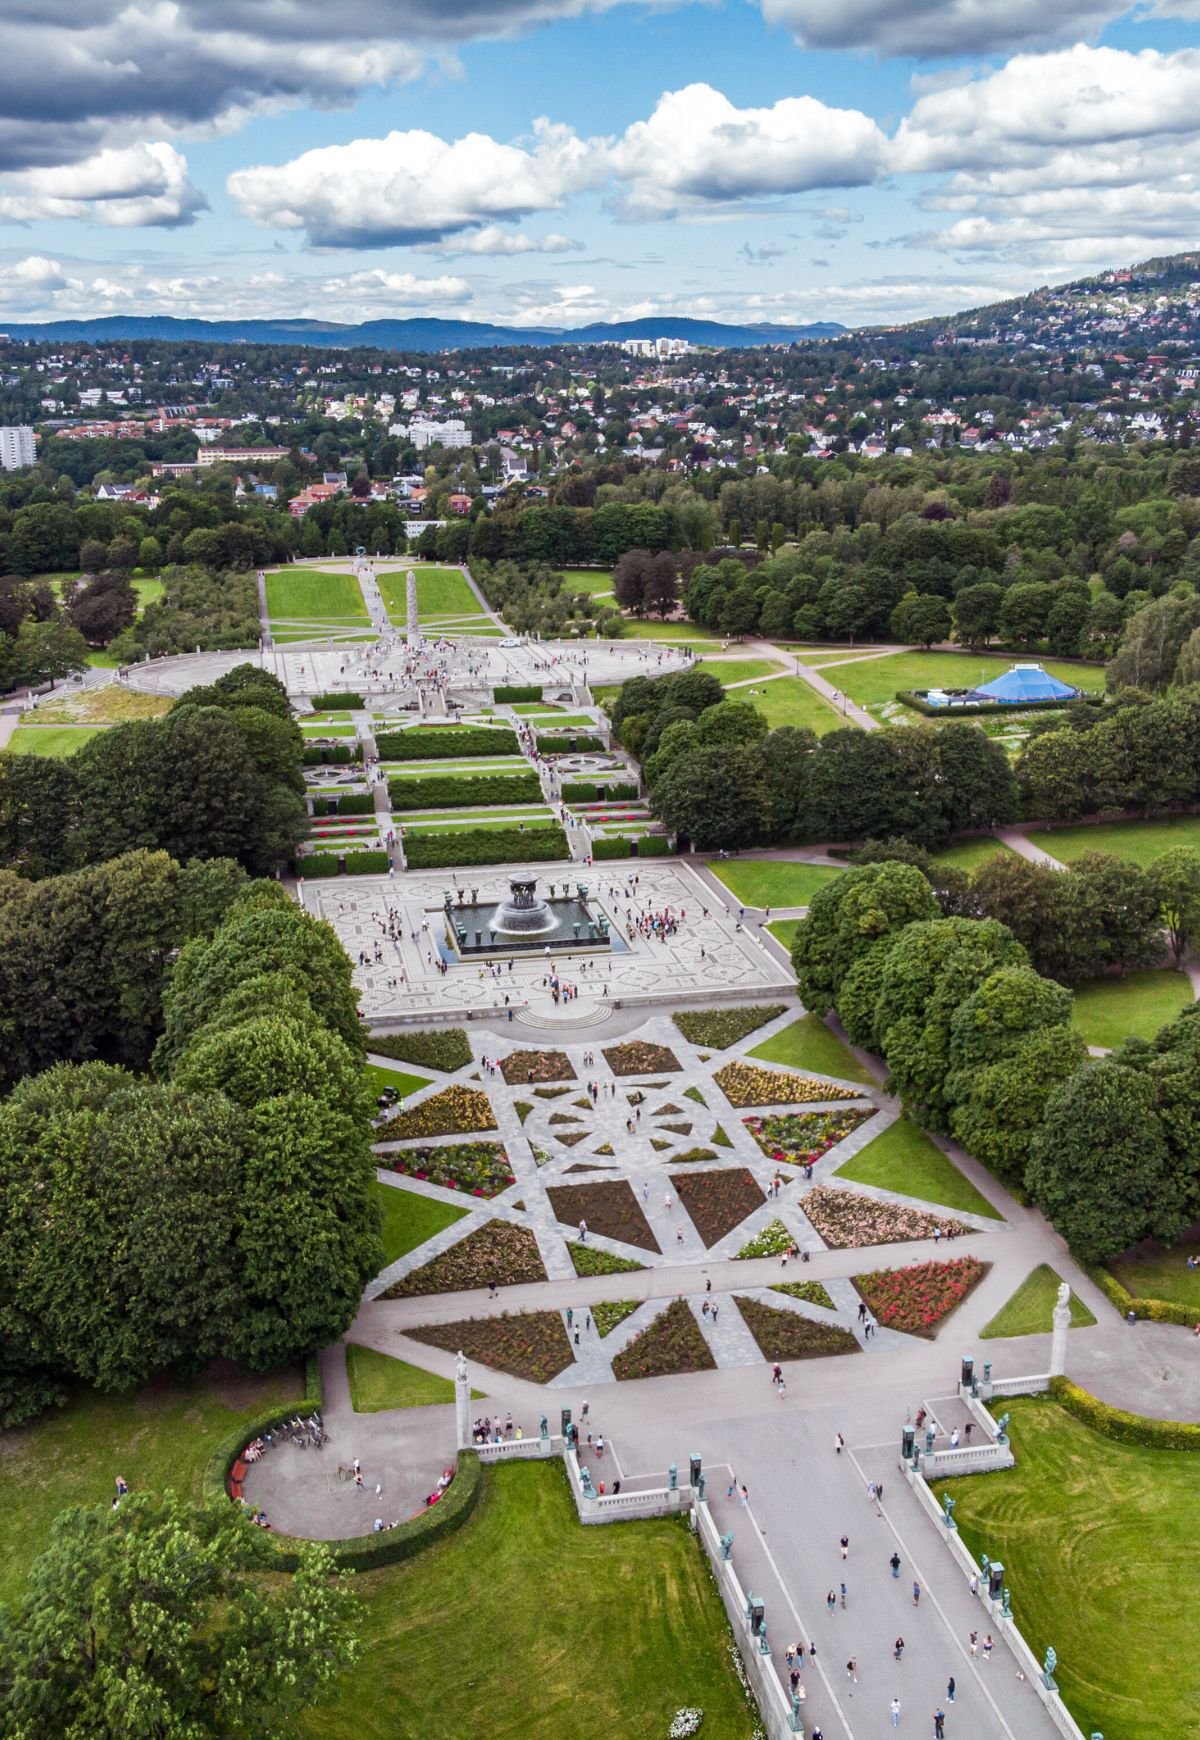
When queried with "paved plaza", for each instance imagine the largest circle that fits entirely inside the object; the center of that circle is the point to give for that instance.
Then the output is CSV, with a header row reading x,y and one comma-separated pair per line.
x,y
707,958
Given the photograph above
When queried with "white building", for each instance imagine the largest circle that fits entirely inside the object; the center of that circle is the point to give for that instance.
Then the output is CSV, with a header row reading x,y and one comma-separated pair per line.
x,y
16,446
452,433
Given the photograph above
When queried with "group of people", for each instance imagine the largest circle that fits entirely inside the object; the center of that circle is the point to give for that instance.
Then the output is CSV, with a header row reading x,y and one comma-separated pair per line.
x,y
487,1430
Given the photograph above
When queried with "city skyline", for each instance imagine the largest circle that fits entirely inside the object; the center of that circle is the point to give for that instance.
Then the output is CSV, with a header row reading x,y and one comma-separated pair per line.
x,y
551,163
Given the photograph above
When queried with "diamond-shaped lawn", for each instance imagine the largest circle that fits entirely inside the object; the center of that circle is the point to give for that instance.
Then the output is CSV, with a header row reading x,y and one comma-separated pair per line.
x,y
610,1209
718,1201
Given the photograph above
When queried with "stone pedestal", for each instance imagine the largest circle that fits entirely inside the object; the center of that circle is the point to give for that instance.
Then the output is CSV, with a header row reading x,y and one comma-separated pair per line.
x,y
1062,1322
462,1403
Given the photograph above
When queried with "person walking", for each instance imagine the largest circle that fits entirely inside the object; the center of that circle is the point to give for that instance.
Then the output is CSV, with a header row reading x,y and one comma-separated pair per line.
x,y
895,1712
852,1670
831,1602
973,1641
845,1545
916,1593
898,1649
570,1316
950,1689
843,1588
939,1725
988,1647
839,1443
894,1562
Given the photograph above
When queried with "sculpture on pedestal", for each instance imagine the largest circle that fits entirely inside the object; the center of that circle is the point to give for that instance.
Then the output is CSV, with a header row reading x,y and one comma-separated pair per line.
x,y
414,630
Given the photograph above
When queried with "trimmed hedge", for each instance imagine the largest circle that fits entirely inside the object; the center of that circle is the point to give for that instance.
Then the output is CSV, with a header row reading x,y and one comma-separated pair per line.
x,y
570,743
371,863
329,755
445,792
347,703
611,849
990,710
433,743
513,692
1152,1310
1124,1428
318,864
652,846
430,851
444,1048
581,791
351,803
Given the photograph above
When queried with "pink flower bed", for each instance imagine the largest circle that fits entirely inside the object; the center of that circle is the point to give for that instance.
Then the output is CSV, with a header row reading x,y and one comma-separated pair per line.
x,y
846,1220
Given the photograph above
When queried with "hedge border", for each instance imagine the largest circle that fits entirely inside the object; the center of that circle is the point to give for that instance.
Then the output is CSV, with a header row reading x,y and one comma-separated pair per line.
x,y
332,755
579,791
571,743
349,803
445,743
981,709
1121,1427
477,846
347,703
445,791
318,864
1150,1310
370,863
214,1482
511,693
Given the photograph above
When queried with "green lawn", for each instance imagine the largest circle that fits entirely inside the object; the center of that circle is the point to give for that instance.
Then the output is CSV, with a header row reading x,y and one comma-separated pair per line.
x,y
158,1437
1098,1542
1030,1311
1139,842
148,592
874,681
728,671
784,930
808,1044
790,701
670,633
596,581
53,740
558,1627
904,1159
1152,1272
378,1381
385,1075
309,595
455,820
440,592
772,881
969,855
1108,1011
409,1219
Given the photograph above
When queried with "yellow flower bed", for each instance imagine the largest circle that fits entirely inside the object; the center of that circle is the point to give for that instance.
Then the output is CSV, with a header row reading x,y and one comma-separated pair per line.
x,y
744,1084
454,1112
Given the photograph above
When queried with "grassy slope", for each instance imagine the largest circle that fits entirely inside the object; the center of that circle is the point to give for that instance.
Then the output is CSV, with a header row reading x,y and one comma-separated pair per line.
x,y
904,1159
1098,1541
728,671
772,881
790,701
1030,1311
157,1438
1108,1011
409,1219
378,1381
1140,842
308,595
969,855
53,740
1151,1272
808,1044
461,1640
393,1075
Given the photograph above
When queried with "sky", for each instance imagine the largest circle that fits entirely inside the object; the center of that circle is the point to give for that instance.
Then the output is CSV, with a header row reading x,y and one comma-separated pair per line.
x,y
554,162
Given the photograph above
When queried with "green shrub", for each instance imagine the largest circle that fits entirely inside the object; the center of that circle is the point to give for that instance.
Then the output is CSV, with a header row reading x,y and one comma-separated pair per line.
x,y
425,743
969,710
569,743
652,846
353,803
1151,1310
443,1048
1124,1428
338,703
445,792
721,1027
370,863
324,806
514,692
430,851
326,755
318,864
580,791
611,849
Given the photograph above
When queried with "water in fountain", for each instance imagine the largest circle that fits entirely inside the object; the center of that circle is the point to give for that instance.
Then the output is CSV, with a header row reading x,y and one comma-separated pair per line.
x,y
524,913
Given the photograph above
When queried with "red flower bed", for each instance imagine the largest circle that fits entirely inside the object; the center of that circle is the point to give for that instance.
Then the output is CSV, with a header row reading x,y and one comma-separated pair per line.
x,y
918,1299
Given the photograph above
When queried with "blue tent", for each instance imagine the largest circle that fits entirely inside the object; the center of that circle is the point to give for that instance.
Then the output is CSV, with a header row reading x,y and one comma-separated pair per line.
x,y
1024,683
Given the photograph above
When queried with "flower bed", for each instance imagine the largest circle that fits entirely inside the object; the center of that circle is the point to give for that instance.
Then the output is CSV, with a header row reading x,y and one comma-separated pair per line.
x,y
609,1312
786,1335
533,1344
716,1202
610,1209
672,1343
844,1219
720,1028
639,1057
772,1241
526,1066
694,1155
478,1168
591,1260
918,1299
800,1138
812,1292
496,1252
446,1048
453,1112
744,1084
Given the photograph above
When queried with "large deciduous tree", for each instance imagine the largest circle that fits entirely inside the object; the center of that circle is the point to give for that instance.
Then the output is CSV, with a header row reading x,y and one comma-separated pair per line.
x,y
847,917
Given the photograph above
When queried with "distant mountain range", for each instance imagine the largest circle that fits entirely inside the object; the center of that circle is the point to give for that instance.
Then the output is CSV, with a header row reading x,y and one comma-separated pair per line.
x,y
412,335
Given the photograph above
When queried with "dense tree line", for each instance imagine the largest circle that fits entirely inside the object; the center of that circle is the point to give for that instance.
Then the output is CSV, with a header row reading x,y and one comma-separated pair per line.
x,y
200,607
218,777
222,1205
533,599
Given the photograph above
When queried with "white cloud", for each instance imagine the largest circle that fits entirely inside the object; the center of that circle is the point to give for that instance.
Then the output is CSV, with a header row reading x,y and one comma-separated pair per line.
x,y
1079,157
395,289
697,148
493,240
412,187
933,28
144,184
